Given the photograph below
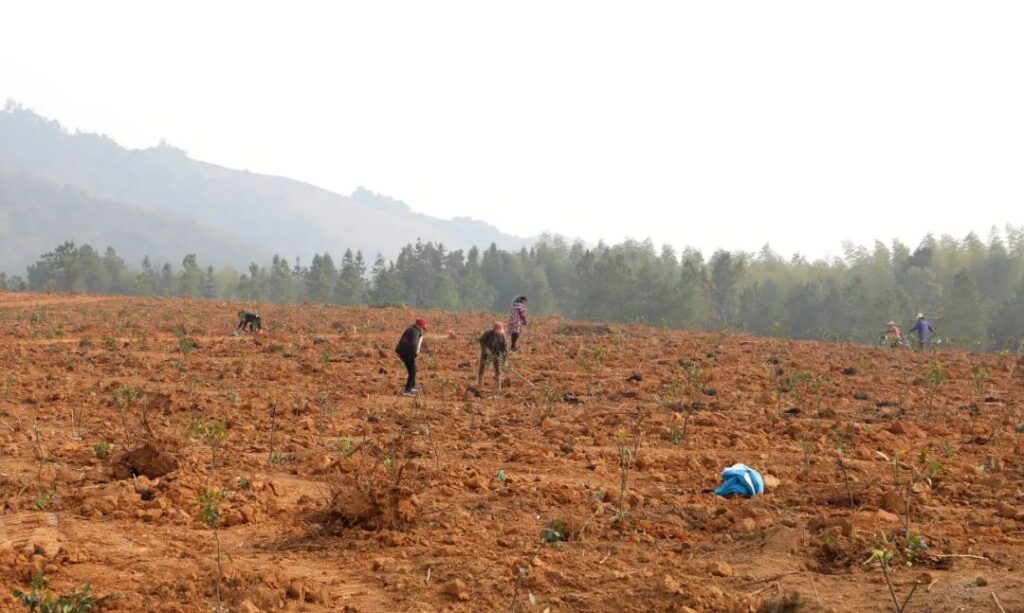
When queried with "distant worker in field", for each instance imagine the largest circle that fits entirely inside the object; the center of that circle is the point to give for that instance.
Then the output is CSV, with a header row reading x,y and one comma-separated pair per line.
x,y
408,350
516,319
492,349
893,335
924,330
250,321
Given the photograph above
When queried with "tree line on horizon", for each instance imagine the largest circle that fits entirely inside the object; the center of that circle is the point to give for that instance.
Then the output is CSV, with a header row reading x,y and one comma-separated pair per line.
x,y
970,289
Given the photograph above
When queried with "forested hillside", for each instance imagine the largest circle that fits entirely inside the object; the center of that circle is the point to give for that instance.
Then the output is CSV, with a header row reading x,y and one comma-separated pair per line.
x,y
36,214
226,207
971,289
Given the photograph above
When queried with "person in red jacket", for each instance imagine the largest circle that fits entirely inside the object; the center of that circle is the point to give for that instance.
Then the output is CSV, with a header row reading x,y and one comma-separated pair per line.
x,y
893,334
517,319
492,349
408,350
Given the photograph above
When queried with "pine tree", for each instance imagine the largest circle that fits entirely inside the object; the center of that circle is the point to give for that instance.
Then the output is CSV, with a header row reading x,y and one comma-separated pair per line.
x,y
321,279
351,287
191,276
965,317
387,287
208,286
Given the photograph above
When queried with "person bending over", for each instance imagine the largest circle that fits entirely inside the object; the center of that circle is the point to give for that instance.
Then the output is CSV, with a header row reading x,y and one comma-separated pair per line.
x,y
408,350
492,349
250,321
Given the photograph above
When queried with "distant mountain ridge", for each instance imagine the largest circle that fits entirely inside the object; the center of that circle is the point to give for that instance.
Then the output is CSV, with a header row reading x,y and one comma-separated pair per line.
x,y
224,216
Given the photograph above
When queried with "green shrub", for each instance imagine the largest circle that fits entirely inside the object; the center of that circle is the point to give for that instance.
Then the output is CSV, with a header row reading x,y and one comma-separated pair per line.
x,y
40,598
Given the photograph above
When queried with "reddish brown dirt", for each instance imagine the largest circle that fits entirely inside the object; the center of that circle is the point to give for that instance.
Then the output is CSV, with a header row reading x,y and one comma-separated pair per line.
x,y
394,504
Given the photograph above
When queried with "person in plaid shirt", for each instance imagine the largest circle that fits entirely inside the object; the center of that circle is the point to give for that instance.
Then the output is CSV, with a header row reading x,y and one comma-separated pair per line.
x,y
516,320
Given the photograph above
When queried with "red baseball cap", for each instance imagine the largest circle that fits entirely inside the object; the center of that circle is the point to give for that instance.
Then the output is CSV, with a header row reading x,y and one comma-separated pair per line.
x,y
422,323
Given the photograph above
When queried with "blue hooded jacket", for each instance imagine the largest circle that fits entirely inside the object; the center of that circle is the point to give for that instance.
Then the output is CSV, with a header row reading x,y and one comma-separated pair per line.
x,y
924,329
740,479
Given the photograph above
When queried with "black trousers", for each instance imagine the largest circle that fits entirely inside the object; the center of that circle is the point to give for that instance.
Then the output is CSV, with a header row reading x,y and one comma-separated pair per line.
x,y
410,368
487,356
515,337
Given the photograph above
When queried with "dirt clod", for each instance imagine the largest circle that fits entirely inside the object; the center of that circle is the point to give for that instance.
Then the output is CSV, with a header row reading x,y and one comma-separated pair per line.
x,y
456,588
145,460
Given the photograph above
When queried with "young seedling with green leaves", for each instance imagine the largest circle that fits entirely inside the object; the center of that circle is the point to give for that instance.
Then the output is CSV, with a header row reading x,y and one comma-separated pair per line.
x,y
934,377
45,498
816,388
344,444
185,347
193,387
101,450
882,557
209,512
979,377
77,417
808,449
895,463
273,430
428,431
628,447
695,380
327,412
798,383
840,439
124,398
211,433
913,542
781,383
548,397
914,545
38,451
931,467
590,363
39,598
554,532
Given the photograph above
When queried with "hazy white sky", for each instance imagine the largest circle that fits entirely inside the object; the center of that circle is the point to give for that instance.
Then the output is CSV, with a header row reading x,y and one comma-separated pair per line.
x,y
715,124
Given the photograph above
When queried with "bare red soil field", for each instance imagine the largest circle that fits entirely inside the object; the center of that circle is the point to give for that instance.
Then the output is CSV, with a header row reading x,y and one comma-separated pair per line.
x,y
363,500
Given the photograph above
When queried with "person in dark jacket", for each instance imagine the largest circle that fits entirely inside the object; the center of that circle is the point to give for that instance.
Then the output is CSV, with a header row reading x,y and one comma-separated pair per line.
x,y
492,349
924,330
408,349
517,319
252,321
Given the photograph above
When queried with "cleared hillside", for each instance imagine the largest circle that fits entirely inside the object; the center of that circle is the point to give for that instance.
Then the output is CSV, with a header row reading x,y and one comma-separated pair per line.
x,y
344,496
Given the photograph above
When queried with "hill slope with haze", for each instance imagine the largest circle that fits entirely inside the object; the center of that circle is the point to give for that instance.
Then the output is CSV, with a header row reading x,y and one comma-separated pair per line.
x,y
37,214
231,208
